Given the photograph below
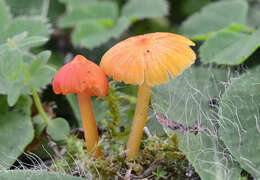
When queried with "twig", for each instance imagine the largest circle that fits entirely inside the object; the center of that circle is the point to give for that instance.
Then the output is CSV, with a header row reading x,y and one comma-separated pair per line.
x,y
53,145
147,132
151,169
175,126
128,172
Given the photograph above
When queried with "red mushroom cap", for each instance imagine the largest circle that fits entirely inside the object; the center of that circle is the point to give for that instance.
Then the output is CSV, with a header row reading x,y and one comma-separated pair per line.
x,y
80,75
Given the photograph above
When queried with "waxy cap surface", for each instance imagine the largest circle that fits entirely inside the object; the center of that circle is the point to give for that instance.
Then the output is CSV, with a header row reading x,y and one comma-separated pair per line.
x,y
148,58
80,75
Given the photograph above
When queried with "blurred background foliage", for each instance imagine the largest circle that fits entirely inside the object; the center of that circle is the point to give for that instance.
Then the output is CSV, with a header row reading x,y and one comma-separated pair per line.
x,y
39,36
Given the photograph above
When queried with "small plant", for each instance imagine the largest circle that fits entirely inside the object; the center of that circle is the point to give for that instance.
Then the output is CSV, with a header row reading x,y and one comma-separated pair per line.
x,y
160,173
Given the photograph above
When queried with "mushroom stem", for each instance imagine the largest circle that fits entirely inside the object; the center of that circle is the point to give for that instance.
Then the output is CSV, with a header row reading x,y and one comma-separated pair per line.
x,y
141,110
89,123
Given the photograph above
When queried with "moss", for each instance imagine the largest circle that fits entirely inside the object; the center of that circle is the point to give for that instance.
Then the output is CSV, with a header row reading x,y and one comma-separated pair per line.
x,y
116,129
114,116
163,151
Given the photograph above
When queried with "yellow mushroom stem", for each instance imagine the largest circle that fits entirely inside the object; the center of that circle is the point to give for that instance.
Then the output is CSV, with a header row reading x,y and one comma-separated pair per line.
x,y
89,123
141,110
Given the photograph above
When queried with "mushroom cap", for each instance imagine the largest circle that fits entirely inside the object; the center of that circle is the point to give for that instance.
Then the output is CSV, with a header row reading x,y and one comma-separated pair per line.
x,y
80,75
148,58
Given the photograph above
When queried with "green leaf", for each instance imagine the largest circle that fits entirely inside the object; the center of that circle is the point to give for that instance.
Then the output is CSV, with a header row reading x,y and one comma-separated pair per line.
x,y
32,41
254,15
58,129
214,17
71,4
154,126
236,28
231,48
16,131
73,101
7,85
145,9
240,121
11,63
25,42
5,16
35,175
121,25
42,77
4,47
34,26
40,72
39,125
27,7
40,60
185,100
188,7
95,11
12,89
14,93
12,79
91,35
88,30
18,37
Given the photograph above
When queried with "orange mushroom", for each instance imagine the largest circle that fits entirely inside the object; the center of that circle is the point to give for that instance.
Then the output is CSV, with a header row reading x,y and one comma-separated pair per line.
x,y
146,60
85,78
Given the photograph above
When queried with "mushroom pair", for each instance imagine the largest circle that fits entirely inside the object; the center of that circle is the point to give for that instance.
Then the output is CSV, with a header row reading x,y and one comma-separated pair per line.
x,y
143,60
